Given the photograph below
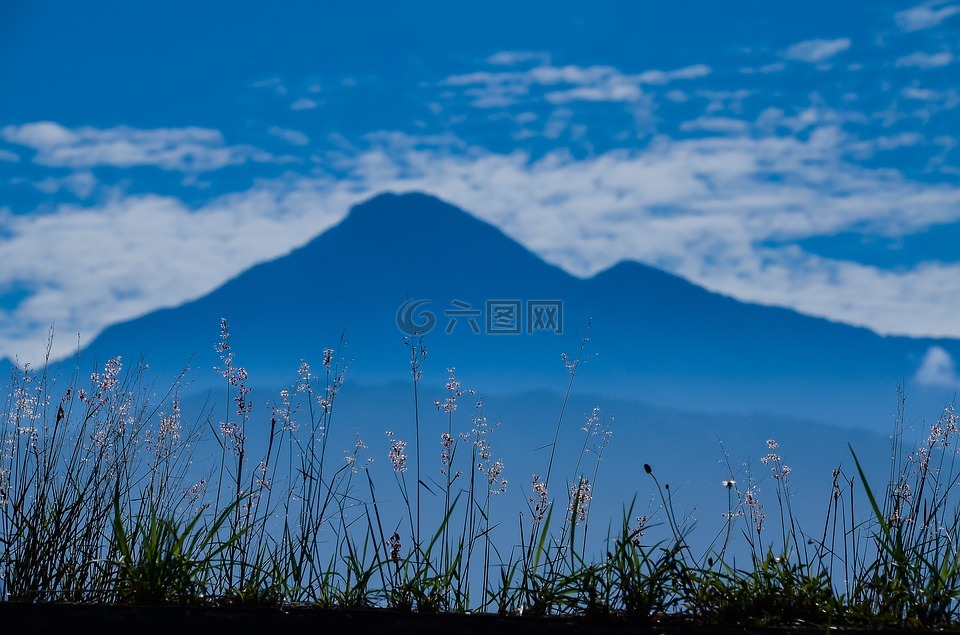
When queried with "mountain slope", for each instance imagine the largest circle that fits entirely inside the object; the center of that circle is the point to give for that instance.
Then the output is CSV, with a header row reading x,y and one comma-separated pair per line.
x,y
657,337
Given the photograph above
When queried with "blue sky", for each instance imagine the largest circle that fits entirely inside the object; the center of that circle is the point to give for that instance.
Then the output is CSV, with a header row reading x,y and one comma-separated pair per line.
x,y
801,155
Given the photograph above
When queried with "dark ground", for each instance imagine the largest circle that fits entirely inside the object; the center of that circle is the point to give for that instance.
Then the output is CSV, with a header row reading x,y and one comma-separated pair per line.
x,y
143,620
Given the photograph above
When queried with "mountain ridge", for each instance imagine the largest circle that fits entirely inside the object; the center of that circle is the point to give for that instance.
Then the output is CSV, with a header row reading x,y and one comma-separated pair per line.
x,y
656,334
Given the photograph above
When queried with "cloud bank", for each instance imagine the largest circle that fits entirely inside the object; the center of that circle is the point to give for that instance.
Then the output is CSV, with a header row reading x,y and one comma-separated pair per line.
x,y
181,149
816,50
563,84
926,15
925,60
707,208
937,370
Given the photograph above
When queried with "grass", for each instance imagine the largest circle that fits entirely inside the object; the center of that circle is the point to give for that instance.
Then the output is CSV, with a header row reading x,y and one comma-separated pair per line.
x,y
103,498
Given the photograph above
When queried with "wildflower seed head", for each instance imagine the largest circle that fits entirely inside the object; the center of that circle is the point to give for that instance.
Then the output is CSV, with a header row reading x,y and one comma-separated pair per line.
x,y
169,432
446,442
498,485
638,531
592,426
539,498
757,516
103,384
262,480
580,496
397,456
454,392
570,364
395,546
782,473
770,458
233,437
195,492
224,344
304,377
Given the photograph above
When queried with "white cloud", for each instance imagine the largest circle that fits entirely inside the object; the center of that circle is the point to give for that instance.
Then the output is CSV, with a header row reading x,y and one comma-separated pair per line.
x,y
564,84
304,104
82,184
926,15
293,137
812,117
920,94
512,58
702,208
716,124
7,155
183,149
41,135
766,69
724,100
609,91
775,67
934,100
816,50
665,77
273,83
869,147
937,370
925,60
161,253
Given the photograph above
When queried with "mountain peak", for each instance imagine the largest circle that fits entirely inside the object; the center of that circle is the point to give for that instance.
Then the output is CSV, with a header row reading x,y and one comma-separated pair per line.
x,y
415,235
392,207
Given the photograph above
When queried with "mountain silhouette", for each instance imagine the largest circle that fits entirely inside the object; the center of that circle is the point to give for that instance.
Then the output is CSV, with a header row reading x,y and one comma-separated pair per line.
x,y
653,337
